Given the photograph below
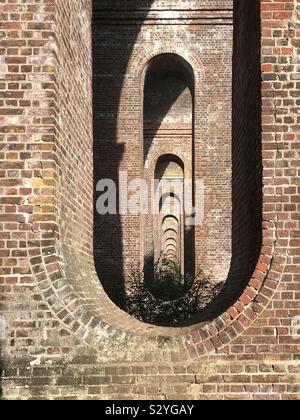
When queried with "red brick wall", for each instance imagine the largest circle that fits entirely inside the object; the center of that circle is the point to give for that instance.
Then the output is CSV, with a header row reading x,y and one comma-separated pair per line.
x,y
168,130
120,60
63,337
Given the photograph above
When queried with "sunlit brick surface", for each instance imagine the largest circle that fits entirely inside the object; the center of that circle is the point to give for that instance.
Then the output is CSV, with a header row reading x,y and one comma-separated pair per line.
x,y
64,337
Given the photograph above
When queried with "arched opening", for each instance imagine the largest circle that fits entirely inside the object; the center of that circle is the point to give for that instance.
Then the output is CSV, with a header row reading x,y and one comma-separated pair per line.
x,y
192,121
168,133
168,100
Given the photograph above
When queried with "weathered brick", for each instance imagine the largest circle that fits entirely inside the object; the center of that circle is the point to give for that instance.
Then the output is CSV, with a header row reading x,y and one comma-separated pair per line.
x,y
64,338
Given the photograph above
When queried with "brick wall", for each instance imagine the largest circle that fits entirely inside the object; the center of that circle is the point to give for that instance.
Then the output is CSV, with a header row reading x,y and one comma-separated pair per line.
x,y
63,337
168,134
247,228
120,63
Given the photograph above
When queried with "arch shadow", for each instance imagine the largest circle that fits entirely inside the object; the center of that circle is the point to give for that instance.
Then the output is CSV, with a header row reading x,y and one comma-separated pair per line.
x,y
246,159
109,71
247,165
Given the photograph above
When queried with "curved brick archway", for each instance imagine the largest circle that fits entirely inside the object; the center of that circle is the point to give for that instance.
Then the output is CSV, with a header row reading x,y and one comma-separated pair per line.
x,y
53,287
79,313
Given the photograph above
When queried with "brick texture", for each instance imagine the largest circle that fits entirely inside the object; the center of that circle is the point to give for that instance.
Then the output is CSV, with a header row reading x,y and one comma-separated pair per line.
x,y
61,336
118,145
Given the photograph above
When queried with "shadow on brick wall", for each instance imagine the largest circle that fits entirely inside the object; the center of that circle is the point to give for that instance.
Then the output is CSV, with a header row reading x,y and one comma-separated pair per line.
x,y
247,167
247,149
247,178
109,69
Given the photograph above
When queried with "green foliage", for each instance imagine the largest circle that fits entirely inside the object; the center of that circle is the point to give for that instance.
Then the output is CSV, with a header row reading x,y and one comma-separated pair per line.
x,y
167,282
168,297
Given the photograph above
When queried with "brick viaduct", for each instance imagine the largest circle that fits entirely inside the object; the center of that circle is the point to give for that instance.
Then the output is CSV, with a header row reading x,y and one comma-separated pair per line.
x,y
61,335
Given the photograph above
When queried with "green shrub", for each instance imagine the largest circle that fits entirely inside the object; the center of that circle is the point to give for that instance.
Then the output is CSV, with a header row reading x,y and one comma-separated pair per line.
x,y
168,297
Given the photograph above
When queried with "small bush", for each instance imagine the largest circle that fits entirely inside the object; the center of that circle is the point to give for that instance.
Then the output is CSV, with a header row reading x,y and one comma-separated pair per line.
x,y
168,297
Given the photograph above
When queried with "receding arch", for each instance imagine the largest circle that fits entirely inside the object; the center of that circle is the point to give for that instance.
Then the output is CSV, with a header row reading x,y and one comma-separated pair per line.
x,y
136,70
170,241
168,112
170,217
87,284
169,230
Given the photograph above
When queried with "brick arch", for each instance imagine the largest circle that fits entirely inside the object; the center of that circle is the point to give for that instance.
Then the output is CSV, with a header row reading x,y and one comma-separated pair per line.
x,y
169,230
138,65
197,340
157,155
48,269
